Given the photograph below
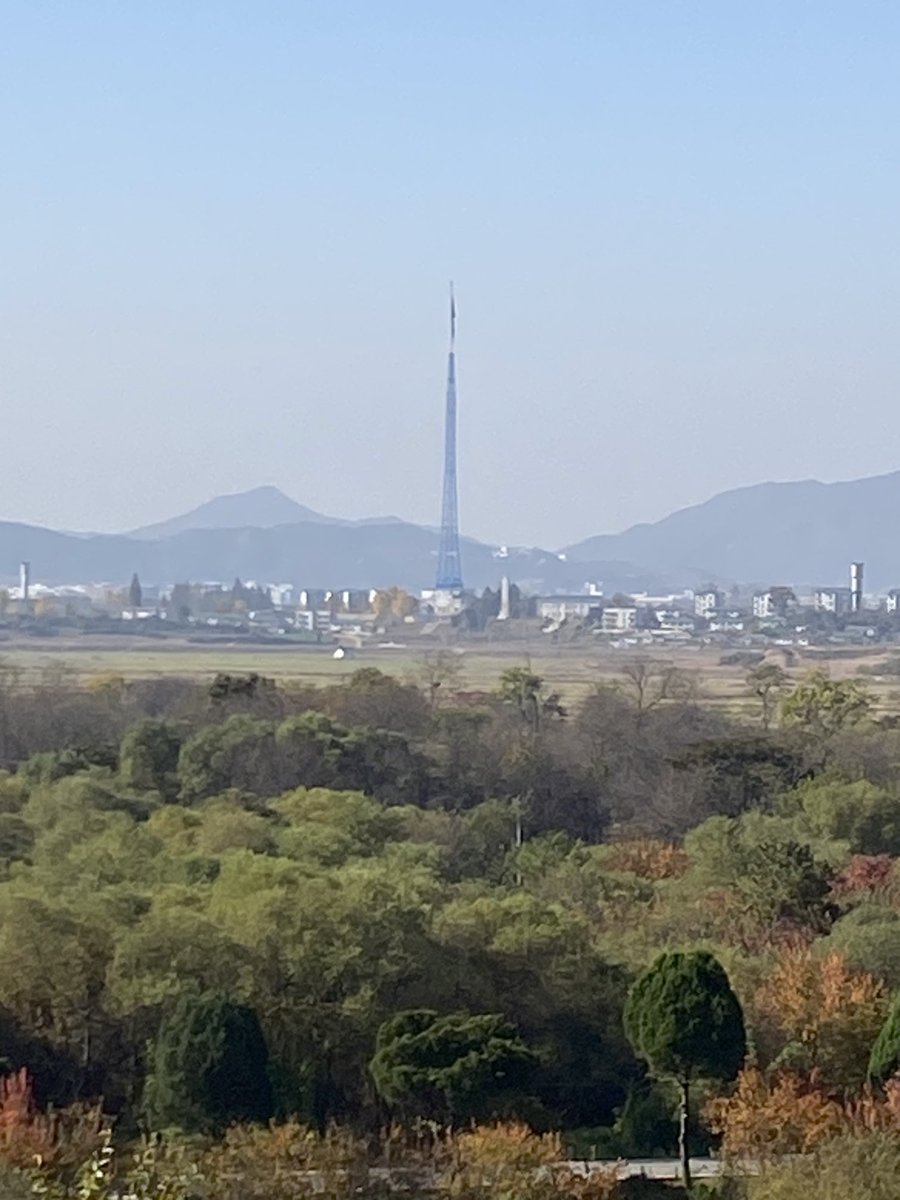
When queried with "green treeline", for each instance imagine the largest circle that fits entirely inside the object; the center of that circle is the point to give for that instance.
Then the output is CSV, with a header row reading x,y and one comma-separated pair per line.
x,y
389,900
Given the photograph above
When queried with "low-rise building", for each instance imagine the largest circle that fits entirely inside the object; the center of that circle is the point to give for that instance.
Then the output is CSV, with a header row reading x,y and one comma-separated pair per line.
x,y
729,622
312,598
707,602
282,594
763,605
675,619
616,619
578,606
832,600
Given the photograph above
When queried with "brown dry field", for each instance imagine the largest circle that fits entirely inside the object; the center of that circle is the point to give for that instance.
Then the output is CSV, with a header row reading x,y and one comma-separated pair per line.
x,y
572,670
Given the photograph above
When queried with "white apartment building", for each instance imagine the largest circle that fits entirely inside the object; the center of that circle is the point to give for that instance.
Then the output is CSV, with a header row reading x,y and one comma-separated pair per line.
x,y
706,603
618,620
832,600
560,608
763,605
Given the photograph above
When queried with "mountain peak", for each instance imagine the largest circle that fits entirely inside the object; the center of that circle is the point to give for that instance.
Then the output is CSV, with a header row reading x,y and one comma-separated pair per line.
x,y
261,507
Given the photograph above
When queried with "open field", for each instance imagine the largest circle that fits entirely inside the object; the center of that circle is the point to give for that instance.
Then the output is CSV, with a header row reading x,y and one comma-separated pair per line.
x,y
572,670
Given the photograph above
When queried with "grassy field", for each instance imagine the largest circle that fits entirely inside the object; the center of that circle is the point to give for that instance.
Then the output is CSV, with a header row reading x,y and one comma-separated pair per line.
x,y
572,670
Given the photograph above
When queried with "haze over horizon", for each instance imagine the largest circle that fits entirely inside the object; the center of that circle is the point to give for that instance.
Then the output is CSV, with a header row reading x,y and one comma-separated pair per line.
x,y
228,231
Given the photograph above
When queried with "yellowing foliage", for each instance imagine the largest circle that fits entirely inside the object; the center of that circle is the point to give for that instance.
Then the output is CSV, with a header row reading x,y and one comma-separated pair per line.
x,y
509,1160
649,858
793,1114
830,1011
762,1119
507,1145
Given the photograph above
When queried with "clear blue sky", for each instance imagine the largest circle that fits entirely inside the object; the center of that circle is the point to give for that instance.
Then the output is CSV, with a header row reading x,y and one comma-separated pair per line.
x,y
226,231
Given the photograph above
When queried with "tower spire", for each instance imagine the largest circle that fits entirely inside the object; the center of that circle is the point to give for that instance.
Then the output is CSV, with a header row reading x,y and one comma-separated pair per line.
x,y
449,572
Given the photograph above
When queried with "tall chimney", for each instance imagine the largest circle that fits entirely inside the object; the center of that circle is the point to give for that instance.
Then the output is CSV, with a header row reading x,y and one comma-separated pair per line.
x,y
856,586
25,581
503,614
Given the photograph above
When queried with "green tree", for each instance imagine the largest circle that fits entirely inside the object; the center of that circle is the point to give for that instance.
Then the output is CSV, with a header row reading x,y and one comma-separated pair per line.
x,y
148,757
767,682
210,1067
181,601
239,753
377,701
884,1059
456,1067
781,881
135,592
741,773
859,812
684,1020
308,747
822,707
520,687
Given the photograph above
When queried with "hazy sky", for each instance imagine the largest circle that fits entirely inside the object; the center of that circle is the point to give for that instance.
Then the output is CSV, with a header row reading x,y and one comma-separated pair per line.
x,y
226,230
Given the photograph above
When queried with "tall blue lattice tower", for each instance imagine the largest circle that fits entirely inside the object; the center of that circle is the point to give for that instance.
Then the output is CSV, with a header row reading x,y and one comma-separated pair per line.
x,y
449,572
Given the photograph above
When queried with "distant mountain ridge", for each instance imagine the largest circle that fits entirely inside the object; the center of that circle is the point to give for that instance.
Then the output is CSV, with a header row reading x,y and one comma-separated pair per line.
x,y
260,508
218,541
805,532
798,533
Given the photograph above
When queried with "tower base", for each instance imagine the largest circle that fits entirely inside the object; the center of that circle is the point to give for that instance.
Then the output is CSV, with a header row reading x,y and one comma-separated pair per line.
x,y
445,602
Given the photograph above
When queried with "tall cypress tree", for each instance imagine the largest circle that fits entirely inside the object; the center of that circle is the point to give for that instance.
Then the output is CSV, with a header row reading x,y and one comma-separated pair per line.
x,y
682,1017
209,1067
135,592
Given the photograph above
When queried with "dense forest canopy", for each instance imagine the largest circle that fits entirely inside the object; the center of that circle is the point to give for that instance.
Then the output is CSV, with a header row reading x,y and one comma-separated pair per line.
x,y
397,888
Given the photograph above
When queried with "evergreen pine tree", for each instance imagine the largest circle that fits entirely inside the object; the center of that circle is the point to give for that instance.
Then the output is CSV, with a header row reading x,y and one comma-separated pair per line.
x,y
135,592
209,1067
460,1066
682,1017
884,1060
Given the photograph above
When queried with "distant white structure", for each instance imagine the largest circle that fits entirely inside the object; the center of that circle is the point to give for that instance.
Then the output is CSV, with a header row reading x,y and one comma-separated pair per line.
x,y
707,602
503,614
832,600
856,586
282,594
25,582
618,619
443,602
558,608
892,600
763,605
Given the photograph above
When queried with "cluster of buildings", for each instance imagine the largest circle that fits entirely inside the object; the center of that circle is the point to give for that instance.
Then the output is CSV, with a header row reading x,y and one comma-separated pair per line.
x,y
781,612
354,618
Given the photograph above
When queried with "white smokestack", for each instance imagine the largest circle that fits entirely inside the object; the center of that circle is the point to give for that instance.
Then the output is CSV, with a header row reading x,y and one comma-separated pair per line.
x,y
503,614
25,581
856,586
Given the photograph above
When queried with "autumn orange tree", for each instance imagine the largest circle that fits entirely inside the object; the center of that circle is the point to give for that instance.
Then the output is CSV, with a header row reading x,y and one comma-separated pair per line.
x,y
767,1116
650,858
55,1139
825,1014
763,1119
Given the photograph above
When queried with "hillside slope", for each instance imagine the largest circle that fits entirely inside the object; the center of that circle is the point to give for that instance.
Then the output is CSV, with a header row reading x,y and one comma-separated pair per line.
x,y
307,554
805,532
